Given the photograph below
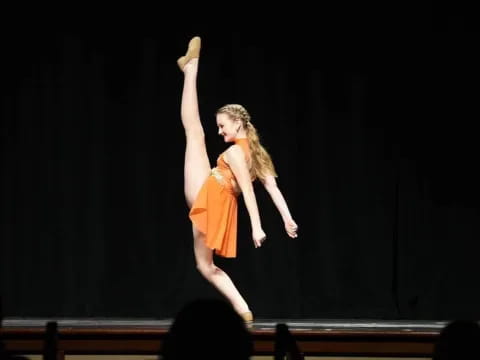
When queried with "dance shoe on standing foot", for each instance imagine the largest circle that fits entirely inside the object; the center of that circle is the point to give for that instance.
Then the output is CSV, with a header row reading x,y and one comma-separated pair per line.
x,y
248,318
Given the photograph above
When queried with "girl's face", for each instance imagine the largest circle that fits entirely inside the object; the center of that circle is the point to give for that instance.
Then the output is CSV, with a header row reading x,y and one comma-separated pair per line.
x,y
227,127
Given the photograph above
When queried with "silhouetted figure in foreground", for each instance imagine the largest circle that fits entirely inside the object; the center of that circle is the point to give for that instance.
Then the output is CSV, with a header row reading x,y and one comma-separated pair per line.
x,y
285,344
460,339
4,354
208,329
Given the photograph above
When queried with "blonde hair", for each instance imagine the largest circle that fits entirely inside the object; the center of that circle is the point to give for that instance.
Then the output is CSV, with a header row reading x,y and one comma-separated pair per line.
x,y
262,164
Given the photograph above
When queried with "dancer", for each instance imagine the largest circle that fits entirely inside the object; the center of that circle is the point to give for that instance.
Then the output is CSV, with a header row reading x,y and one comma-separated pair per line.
x,y
211,194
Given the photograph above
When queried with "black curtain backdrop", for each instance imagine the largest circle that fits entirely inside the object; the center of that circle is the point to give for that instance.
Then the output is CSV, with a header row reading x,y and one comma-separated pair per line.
x,y
369,113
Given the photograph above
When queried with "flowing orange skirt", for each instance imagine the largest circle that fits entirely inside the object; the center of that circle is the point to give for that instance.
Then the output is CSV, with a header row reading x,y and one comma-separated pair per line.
x,y
214,213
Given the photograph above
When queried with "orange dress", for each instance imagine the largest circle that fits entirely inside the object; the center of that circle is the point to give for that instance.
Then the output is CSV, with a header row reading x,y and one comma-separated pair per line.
x,y
214,211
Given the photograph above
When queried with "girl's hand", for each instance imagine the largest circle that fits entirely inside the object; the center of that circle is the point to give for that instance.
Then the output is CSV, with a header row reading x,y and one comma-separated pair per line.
x,y
291,228
259,237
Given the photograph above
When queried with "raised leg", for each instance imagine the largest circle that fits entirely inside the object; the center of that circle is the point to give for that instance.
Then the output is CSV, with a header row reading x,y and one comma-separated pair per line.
x,y
197,164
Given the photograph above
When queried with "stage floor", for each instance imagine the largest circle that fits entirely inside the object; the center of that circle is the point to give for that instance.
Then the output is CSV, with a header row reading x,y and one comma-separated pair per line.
x,y
319,337
259,324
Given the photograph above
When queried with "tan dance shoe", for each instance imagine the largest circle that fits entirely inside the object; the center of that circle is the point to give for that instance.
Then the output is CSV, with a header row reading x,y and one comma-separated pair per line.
x,y
193,52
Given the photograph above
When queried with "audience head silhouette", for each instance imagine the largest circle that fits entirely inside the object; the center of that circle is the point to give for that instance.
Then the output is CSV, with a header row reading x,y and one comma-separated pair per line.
x,y
459,339
4,354
207,329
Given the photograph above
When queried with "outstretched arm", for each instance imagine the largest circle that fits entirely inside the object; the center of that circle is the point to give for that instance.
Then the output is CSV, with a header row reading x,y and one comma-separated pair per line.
x,y
235,157
272,188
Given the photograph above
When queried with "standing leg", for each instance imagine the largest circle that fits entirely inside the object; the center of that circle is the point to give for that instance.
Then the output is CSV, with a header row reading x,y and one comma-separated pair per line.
x,y
216,276
197,169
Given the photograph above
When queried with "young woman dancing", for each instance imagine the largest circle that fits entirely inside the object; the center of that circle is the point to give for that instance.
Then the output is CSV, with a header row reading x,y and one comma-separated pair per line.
x,y
211,194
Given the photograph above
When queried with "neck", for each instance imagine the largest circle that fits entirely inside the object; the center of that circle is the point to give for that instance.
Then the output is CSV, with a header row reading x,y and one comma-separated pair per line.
x,y
241,134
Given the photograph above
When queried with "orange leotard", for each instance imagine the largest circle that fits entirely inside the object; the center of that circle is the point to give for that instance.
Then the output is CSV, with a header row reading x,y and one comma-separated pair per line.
x,y
214,211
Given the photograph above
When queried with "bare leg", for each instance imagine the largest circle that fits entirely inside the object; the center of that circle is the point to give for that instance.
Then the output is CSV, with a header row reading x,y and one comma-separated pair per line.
x,y
197,169
215,275
197,165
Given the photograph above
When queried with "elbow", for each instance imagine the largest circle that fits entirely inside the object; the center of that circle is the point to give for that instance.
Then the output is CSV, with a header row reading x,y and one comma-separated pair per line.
x,y
269,183
271,188
247,190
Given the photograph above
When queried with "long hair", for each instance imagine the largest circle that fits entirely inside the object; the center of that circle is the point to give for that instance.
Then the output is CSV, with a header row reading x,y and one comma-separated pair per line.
x,y
262,164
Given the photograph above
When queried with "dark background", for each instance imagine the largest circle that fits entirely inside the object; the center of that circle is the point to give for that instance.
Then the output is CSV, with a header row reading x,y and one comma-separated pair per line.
x,y
369,112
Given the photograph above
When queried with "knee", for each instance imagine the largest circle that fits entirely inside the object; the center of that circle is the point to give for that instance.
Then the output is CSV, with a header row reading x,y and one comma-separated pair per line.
x,y
195,135
207,270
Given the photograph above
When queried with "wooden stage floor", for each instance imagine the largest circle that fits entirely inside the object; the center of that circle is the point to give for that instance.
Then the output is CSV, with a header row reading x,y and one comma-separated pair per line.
x,y
315,337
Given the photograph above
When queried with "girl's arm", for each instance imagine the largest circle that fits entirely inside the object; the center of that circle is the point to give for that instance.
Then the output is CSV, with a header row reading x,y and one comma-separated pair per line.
x,y
235,157
271,186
